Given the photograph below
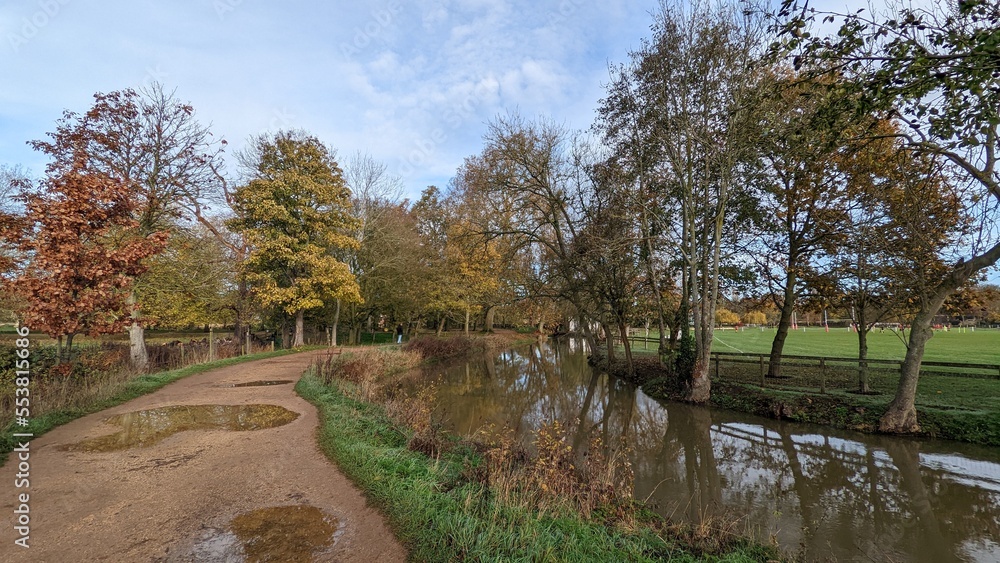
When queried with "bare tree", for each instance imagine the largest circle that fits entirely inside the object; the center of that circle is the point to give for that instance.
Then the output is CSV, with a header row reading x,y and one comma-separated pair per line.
x,y
697,74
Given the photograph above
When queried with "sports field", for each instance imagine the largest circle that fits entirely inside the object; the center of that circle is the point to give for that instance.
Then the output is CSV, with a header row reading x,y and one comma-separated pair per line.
x,y
979,346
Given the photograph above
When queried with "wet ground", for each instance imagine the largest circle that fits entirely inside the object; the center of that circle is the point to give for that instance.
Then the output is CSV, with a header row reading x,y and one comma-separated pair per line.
x,y
296,533
144,428
198,471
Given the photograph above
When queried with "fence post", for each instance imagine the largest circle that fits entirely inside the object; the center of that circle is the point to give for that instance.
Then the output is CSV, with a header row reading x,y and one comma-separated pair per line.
x,y
822,380
763,371
718,360
211,344
182,354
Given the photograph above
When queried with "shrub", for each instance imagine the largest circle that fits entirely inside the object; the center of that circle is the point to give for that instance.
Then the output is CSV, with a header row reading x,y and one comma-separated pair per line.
x,y
434,348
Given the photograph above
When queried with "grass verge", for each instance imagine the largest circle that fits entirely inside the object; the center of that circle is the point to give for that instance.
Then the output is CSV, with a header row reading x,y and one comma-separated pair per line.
x,y
950,408
127,391
442,500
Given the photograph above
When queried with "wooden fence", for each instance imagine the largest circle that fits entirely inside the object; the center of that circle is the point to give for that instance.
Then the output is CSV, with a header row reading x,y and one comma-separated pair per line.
x,y
829,371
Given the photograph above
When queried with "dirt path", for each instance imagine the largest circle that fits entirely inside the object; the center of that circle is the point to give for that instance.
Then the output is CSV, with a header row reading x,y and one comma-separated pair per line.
x,y
177,500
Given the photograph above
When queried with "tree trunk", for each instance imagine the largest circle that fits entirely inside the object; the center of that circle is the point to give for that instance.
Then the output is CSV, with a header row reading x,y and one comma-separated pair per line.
x,y
629,365
440,328
69,347
488,322
336,322
239,333
137,340
299,340
240,312
700,386
467,321
862,323
609,339
901,416
784,321
588,336
59,349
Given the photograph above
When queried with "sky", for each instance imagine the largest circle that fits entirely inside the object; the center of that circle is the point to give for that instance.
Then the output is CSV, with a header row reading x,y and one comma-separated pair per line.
x,y
412,83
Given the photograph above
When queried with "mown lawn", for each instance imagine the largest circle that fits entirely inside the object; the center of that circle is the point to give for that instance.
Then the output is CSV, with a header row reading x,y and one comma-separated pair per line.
x,y
949,406
979,346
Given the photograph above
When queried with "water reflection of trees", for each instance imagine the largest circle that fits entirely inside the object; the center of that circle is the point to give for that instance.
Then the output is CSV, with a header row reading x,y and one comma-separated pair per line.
x,y
835,495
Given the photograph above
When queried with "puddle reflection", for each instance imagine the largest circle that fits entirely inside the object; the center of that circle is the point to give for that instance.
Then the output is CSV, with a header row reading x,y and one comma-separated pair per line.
x,y
147,427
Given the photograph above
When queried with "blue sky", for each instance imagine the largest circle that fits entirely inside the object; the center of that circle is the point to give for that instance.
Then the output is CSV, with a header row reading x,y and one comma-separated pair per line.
x,y
412,83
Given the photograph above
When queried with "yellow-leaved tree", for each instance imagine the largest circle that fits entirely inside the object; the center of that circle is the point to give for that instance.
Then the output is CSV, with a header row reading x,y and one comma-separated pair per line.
x,y
294,211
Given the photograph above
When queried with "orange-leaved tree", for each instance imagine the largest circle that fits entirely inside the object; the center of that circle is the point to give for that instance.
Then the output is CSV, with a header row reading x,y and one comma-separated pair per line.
x,y
84,254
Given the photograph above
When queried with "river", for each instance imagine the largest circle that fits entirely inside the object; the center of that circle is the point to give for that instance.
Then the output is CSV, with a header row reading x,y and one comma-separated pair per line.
x,y
825,494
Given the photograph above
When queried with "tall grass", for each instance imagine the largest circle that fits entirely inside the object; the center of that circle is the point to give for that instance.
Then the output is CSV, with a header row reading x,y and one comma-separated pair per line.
x,y
96,372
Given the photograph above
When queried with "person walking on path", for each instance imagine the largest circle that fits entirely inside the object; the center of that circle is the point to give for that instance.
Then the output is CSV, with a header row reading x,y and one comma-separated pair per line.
x,y
399,333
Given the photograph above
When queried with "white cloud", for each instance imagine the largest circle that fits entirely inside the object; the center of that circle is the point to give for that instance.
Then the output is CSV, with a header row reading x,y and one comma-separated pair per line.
x,y
413,83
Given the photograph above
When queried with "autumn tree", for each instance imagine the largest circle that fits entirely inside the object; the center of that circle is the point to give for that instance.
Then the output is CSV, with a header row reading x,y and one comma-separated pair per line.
x,y
725,317
626,125
529,176
460,264
151,142
387,260
607,250
932,68
295,214
84,252
504,260
979,304
803,198
756,318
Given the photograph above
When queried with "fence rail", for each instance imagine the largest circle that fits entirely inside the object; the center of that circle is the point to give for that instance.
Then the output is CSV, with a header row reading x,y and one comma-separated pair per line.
x,y
990,370
830,370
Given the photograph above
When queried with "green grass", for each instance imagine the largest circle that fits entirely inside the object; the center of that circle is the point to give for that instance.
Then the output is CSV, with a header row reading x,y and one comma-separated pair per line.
x,y
441,516
954,414
948,407
981,346
137,387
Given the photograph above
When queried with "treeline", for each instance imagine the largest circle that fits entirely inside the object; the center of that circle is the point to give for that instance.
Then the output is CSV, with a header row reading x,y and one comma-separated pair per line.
x,y
737,158
137,222
737,152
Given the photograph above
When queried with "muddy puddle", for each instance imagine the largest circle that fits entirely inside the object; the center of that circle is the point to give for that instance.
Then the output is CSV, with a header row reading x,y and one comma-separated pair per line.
x,y
147,427
281,533
264,383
